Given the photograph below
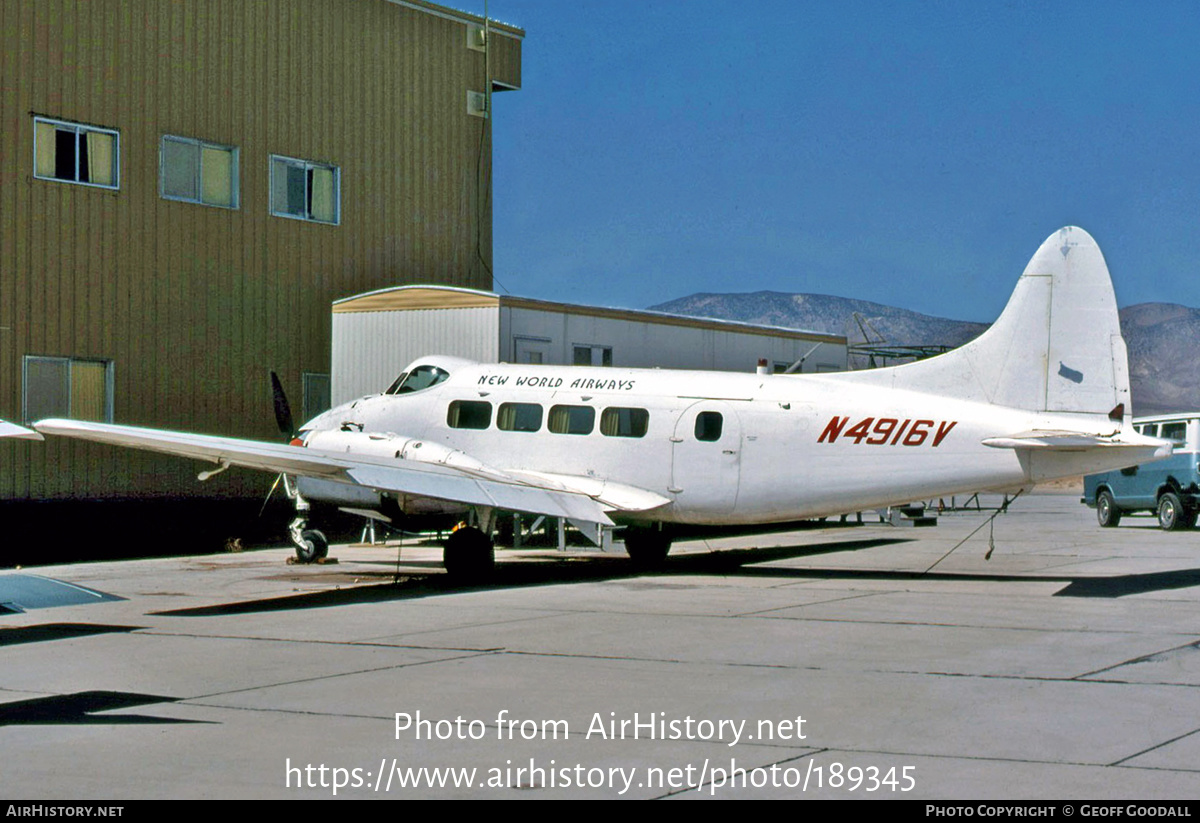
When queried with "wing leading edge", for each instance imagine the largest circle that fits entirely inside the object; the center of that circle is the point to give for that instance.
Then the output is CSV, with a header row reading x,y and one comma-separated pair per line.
x,y
499,490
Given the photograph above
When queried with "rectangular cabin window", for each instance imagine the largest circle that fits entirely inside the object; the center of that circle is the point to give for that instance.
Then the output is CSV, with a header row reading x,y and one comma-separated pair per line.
x,y
519,417
198,172
68,387
708,426
304,190
572,419
469,414
75,153
621,422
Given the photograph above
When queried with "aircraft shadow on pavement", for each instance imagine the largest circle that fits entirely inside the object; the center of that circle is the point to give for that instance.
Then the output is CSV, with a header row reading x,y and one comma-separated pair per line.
x,y
56,631
554,570
80,709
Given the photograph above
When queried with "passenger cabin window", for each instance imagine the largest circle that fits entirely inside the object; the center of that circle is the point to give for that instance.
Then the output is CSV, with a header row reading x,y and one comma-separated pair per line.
x,y
708,426
1176,432
469,414
422,377
619,422
572,419
519,417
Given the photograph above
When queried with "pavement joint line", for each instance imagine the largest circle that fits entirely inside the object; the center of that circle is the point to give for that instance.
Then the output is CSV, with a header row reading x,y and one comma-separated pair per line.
x,y
1152,748
809,619
335,675
848,597
1194,645
314,641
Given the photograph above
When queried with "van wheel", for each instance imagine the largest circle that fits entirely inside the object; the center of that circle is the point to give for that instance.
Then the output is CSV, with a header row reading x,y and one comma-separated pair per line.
x,y
1171,514
1106,509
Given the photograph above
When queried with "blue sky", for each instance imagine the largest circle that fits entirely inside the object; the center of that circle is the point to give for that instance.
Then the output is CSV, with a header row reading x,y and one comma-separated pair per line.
x,y
912,153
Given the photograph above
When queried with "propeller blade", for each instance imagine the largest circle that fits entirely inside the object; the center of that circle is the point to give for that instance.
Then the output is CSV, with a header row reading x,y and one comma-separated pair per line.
x,y
283,412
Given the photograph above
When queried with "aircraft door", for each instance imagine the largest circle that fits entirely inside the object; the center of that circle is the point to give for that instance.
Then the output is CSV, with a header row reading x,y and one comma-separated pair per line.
x,y
706,455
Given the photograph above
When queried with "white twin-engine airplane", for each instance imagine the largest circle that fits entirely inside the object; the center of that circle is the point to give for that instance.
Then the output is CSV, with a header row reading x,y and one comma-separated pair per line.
x,y
1044,393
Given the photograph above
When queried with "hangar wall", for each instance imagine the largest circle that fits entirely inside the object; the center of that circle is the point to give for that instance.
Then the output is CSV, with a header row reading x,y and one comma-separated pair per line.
x,y
185,187
376,335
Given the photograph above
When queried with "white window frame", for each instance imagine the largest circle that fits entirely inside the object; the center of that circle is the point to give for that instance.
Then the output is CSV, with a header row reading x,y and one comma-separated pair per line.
x,y
307,165
235,172
67,361
79,129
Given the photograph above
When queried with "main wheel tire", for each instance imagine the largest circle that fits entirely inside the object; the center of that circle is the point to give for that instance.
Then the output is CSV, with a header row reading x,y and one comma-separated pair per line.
x,y
315,546
647,548
1171,514
469,555
1106,509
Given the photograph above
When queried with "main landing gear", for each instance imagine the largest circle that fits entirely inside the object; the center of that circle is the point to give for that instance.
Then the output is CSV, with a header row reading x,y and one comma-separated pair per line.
x,y
469,554
647,546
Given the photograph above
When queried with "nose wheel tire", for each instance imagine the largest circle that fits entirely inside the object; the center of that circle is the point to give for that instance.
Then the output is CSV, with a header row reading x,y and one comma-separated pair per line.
x,y
313,546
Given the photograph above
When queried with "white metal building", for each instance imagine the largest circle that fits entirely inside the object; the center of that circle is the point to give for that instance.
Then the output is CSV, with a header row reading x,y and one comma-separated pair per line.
x,y
377,334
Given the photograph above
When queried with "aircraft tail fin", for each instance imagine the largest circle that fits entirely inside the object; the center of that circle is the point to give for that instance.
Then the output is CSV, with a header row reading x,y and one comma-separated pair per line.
x,y
1057,346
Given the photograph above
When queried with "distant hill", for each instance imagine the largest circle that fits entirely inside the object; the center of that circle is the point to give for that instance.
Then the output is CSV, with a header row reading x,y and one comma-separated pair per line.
x,y
1163,338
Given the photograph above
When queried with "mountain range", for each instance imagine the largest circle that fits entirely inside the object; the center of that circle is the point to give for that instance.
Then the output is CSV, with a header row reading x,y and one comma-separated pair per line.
x,y
1162,338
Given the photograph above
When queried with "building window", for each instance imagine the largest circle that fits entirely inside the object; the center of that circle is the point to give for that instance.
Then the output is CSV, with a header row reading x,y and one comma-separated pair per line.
x,y
592,355
198,172
75,153
304,190
68,387
469,414
316,394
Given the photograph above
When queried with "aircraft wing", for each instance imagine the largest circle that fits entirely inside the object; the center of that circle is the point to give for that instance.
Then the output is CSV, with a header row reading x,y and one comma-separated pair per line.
x,y
13,430
497,489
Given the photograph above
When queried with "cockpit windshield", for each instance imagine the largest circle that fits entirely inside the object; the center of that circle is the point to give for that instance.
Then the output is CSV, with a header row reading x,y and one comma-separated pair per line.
x,y
422,377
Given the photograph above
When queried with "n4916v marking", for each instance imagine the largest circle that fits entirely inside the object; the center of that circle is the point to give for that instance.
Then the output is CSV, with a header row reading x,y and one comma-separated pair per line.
x,y
887,431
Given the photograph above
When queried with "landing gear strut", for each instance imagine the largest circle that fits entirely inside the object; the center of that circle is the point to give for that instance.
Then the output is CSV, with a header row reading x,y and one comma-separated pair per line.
x,y
311,545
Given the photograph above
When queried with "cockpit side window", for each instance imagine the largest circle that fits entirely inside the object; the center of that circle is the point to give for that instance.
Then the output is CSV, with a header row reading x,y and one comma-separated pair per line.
x,y
422,377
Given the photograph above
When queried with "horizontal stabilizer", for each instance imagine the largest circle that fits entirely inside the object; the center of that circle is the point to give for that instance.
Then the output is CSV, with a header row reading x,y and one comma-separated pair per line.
x,y
1152,447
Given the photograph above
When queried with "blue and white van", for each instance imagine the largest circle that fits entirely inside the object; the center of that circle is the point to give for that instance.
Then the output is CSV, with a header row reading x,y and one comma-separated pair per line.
x,y
1166,488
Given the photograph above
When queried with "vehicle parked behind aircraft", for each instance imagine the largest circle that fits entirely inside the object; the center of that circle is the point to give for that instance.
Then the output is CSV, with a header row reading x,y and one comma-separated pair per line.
x,y
1169,489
